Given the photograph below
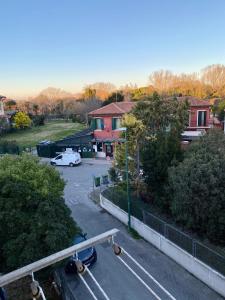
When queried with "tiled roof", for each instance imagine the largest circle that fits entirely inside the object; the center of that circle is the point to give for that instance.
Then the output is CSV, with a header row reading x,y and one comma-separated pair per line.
x,y
195,101
115,108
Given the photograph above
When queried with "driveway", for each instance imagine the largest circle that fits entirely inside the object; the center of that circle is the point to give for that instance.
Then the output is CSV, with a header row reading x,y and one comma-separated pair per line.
x,y
114,278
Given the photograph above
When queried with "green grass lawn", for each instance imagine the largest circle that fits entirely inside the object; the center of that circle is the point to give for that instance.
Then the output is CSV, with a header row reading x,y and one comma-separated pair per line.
x,y
53,130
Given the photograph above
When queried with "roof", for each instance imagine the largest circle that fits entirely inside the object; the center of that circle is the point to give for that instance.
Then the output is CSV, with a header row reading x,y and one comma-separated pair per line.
x,y
79,134
115,108
195,101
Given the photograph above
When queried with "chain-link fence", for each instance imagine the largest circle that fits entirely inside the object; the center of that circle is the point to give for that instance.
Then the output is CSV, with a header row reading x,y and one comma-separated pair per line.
x,y
181,239
184,241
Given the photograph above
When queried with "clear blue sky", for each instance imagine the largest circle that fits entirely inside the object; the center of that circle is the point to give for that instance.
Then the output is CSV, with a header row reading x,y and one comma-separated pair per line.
x,y
70,43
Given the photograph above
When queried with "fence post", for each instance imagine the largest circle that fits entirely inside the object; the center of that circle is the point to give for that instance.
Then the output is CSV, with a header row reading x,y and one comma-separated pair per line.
x,y
194,248
165,230
143,216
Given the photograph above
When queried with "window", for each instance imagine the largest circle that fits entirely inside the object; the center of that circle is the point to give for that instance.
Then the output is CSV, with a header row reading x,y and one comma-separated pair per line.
x,y
97,124
201,121
59,157
116,123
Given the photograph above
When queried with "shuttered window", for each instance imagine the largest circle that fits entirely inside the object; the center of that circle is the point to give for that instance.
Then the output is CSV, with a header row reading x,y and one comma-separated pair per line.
x,y
116,123
97,123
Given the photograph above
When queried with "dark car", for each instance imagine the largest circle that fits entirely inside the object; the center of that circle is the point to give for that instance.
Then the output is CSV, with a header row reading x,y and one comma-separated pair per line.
x,y
88,256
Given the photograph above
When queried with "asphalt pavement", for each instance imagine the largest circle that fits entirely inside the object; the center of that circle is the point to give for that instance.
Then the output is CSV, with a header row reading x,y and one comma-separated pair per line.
x,y
116,280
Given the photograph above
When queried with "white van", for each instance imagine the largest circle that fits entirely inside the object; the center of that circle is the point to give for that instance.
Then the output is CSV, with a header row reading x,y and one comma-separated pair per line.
x,y
69,158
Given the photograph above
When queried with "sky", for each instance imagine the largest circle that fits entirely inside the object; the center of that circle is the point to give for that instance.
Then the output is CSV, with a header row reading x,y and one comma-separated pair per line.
x,y
70,43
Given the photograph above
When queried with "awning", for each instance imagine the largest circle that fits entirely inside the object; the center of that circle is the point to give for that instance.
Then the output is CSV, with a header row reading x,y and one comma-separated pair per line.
x,y
192,135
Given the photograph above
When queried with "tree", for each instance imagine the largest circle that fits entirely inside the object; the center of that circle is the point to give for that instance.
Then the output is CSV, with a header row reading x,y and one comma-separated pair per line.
x,y
219,109
135,129
10,103
214,75
114,97
35,108
197,187
22,120
35,222
164,121
102,89
89,93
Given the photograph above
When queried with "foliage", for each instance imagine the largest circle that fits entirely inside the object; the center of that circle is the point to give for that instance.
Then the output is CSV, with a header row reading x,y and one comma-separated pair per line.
x,y
197,187
113,174
9,147
10,103
135,129
142,92
89,93
22,120
219,108
101,89
4,126
38,120
114,97
163,120
35,220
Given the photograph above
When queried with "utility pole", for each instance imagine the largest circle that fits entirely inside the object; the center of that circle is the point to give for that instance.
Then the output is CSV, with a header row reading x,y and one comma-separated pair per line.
x,y
127,180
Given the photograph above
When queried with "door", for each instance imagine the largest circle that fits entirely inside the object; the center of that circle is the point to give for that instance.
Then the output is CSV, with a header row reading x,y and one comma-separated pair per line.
x,y
109,150
59,160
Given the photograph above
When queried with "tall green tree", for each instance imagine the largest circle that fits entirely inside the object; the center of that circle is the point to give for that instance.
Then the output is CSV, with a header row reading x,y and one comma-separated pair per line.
x,y
164,121
35,222
197,187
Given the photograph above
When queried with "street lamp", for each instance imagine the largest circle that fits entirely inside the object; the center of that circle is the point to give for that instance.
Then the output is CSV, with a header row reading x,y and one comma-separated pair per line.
x,y
127,175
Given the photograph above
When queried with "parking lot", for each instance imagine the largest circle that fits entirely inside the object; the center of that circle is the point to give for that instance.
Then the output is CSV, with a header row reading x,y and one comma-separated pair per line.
x,y
114,278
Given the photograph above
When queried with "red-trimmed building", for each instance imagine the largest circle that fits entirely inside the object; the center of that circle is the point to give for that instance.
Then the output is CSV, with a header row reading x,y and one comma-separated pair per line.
x,y
106,120
105,123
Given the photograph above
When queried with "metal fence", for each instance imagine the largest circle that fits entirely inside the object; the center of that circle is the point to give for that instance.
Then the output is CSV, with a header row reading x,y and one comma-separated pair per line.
x,y
181,239
184,241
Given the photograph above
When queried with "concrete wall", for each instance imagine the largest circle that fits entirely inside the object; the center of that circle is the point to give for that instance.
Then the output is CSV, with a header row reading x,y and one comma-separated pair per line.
x,y
206,274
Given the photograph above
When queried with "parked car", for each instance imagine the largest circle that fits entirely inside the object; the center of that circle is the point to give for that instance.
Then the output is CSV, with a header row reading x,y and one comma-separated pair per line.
x,y
66,159
88,256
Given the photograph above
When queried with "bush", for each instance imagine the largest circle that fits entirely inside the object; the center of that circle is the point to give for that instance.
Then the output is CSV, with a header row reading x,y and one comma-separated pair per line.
x,y
21,120
4,126
197,188
38,120
10,147
113,175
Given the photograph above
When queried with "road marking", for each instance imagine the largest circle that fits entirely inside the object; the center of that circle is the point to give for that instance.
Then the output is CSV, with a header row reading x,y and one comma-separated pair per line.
x,y
149,275
72,201
87,286
139,278
98,285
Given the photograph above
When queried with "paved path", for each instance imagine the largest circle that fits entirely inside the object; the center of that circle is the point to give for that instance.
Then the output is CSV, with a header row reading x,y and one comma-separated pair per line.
x,y
115,279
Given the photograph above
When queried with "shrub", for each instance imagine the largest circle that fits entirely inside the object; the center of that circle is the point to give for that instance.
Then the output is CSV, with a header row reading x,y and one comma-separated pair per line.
x,y
38,120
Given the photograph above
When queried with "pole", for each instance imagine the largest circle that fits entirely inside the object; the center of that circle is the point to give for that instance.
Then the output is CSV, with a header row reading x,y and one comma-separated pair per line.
x,y
127,179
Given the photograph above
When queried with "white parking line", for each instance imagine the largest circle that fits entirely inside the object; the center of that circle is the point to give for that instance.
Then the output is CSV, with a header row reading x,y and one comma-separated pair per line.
x,y
149,275
87,286
139,278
